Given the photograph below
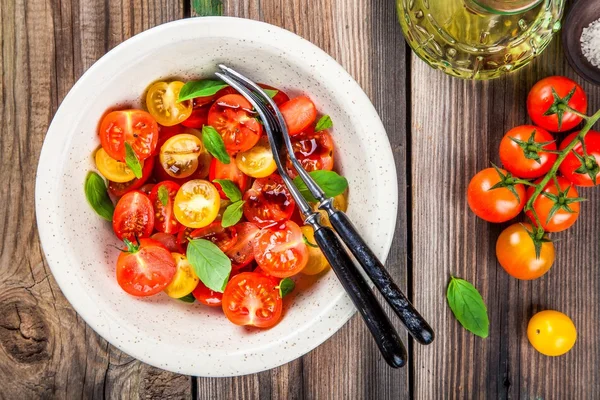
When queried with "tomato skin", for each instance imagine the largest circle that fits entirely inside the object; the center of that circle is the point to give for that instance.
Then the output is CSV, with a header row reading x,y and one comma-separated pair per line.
x,y
552,333
313,150
513,157
242,252
495,205
197,119
232,116
224,238
133,216
207,296
164,218
135,127
299,113
516,253
280,98
147,271
570,164
280,250
540,99
119,189
167,240
562,219
252,299
230,171
268,202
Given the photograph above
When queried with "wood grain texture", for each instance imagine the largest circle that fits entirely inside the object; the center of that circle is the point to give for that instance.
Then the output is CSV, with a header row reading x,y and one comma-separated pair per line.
x,y
457,127
46,350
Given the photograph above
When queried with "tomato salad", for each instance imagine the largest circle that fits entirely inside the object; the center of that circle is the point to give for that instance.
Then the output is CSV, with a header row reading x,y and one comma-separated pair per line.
x,y
194,195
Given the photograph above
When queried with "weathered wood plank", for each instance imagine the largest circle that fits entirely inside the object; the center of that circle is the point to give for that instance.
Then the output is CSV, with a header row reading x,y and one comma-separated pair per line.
x,y
457,126
46,350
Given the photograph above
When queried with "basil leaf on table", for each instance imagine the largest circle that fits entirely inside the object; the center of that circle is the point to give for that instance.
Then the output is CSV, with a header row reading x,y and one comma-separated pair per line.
x,y
233,213
188,298
230,189
163,195
324,123
214,144
270,92
468,307
205,8
330,181
286,285
132,161
210,264
203,88
97,195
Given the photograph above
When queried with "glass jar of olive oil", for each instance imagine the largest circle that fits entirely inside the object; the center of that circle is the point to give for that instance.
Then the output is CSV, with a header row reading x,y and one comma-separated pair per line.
x,y
479,39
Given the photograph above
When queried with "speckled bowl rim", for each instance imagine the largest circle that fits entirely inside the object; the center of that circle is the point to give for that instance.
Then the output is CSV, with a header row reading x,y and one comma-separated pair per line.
x,y
329,320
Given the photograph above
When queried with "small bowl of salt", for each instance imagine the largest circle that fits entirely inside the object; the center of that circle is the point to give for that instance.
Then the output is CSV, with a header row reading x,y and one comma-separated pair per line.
x,y
581,39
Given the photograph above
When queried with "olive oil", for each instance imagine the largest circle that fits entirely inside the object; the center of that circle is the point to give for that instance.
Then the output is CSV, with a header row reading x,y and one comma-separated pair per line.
x,y
479,39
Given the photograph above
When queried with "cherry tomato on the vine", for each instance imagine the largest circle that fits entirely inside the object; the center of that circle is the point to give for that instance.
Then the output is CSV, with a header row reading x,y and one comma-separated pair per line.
x,y
557,207
522,151
582,169
492,202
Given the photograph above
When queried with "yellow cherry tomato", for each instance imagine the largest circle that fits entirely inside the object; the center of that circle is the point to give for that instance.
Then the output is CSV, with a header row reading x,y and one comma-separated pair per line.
x,y
551,333
197,203
185,279
179,155
317,262
257,162
340,202
161,100
112,169
204,158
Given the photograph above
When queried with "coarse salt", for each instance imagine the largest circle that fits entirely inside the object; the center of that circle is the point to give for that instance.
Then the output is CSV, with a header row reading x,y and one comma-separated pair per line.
x,y
590,43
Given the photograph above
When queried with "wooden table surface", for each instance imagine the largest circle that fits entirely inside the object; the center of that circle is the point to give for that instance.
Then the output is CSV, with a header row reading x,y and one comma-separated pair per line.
x,y
442,130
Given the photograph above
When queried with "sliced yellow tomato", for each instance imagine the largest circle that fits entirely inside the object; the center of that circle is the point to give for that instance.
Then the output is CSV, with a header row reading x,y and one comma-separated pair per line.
x,y
340,202
162,104
179,155
257,162
317,262
197,203
185,279
112,169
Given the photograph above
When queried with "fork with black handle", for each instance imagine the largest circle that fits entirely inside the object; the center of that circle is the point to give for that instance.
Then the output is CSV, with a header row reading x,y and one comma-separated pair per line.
x,y
410,317
383,332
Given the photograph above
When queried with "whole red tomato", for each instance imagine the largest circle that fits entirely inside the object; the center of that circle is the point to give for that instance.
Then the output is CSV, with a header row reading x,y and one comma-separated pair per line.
x,y
494,196
582,170
557,207
522,151
549,101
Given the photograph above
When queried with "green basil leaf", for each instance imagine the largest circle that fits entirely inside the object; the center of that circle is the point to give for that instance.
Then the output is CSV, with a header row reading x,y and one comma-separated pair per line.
x,y
324,123
230,189
468,307
163,195
188,299
214,144
210,264
307,242
132,161
97,195
271,92
203,88
330,181
286,285
205,8
233,213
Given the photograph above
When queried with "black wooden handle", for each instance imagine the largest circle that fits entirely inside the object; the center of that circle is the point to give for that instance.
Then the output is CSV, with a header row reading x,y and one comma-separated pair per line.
x,y
417,326
383,332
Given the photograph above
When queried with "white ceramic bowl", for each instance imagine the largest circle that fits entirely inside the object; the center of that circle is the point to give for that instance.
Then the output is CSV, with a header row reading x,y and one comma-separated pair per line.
x,y
192,339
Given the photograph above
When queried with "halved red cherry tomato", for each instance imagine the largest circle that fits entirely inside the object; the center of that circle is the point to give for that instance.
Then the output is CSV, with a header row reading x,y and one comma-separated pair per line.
x,y
280,250
313,150
521,151
299,113
252,299
167,240
145,269
230,171
119,189
494,205
133,216
164,218
578,169
556,207
542,97
233,118
135,127
207,296
224,238
183,238
280,98
268,201
198,118
242,252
